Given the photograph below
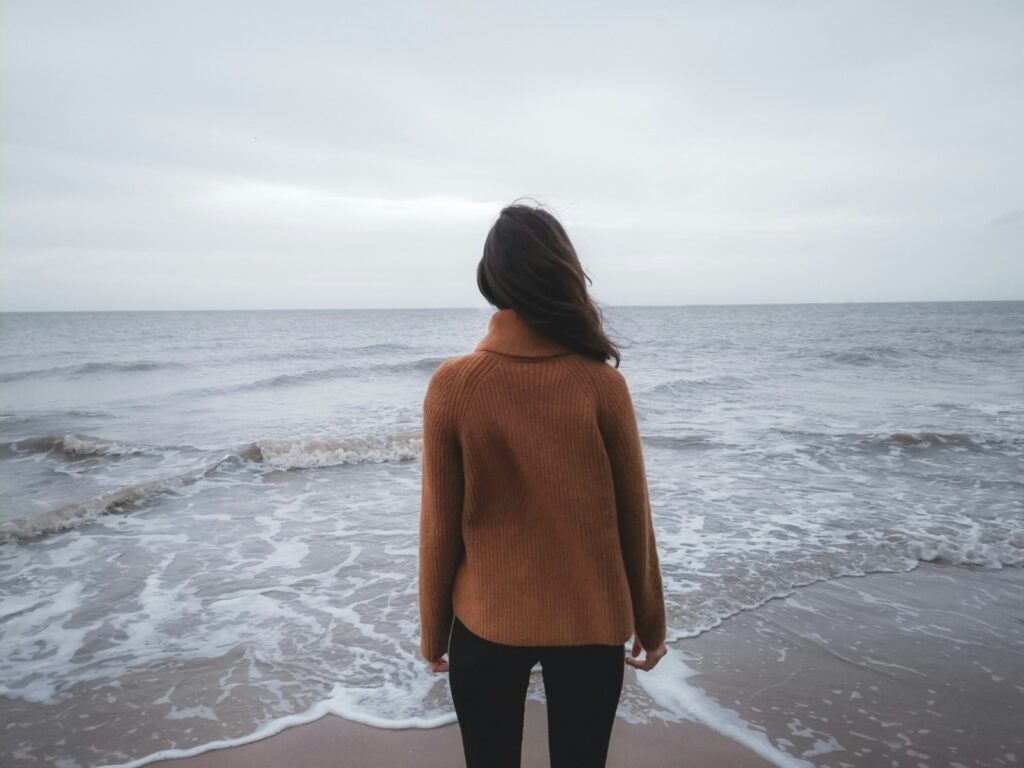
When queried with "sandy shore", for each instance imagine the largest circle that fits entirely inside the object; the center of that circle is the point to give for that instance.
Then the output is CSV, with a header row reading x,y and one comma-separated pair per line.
x,y
919,668
338,743
892,669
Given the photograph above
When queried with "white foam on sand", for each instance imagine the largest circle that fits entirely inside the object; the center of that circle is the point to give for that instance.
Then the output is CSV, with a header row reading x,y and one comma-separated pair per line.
x,y
667,685
343,702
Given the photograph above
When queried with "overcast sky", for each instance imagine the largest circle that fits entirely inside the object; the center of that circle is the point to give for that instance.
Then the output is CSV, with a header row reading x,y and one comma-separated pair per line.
x,y
222,155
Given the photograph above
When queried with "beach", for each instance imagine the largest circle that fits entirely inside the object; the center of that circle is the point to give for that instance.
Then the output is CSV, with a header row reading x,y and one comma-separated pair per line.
x,y
334,742
918,668
209,534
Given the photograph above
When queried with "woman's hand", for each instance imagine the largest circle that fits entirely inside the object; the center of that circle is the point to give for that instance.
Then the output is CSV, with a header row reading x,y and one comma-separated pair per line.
x,y
650,659
438,665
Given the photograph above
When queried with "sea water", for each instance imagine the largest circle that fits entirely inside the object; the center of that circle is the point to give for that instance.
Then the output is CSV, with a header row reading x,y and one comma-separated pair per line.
x,y
209,519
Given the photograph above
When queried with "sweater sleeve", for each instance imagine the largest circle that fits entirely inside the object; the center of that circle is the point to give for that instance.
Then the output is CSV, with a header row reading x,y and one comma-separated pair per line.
x,y
636,528
440,544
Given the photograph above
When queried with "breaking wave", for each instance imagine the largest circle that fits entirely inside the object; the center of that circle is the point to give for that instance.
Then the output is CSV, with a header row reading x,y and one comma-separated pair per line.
x,y
70,515
70,444
910,441
305,454
685,385
279,454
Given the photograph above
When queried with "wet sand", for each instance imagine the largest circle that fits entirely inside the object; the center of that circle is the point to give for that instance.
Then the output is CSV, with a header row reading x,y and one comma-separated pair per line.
x,y
915,669
909,669
335,742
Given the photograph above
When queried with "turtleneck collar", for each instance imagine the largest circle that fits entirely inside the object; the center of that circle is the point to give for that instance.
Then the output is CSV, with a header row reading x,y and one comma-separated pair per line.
x,y
509,334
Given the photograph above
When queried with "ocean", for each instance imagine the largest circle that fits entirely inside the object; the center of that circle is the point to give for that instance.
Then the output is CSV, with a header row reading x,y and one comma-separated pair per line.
x,y
208,520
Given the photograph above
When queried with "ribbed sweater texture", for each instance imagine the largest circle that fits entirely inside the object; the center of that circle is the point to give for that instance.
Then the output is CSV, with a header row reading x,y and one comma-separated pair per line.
x,y
535,520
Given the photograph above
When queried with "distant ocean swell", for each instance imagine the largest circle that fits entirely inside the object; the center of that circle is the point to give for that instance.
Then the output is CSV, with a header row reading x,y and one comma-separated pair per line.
x,y
921,441
88,369
338,371
916,442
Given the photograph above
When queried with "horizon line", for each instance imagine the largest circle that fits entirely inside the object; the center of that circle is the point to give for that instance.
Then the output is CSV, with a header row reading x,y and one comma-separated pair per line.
x,y
600,304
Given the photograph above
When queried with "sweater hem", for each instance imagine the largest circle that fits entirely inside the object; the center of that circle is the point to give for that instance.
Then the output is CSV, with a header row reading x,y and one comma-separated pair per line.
x,y
486,635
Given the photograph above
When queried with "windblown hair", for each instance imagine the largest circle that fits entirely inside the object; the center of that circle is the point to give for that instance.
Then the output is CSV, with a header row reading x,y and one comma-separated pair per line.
x,y
530,265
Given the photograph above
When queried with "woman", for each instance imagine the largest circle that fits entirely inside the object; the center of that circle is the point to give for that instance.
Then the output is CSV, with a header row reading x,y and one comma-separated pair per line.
x,y
536,538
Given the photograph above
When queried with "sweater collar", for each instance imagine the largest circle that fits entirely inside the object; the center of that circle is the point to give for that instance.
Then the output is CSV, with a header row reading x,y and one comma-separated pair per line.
x,y
509,333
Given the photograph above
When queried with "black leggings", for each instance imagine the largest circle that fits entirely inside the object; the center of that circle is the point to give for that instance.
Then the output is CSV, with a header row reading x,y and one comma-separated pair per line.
x,y
488,681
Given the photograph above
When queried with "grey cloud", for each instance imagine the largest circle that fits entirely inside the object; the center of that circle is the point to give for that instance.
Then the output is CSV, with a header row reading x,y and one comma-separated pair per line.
x,y
1009,218
249,154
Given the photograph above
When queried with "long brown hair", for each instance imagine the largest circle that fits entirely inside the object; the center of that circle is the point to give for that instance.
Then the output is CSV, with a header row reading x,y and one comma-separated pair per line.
x,y
530,265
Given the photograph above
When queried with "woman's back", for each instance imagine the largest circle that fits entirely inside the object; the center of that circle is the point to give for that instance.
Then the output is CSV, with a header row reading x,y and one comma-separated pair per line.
x,y
535,521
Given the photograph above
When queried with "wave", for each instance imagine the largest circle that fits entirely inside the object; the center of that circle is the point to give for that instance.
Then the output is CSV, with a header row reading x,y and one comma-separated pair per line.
x,y
685,385
374,349
89,369
320,353
70,444
71,515
989,409
421,365
864,355
973,551
680,442
306,454
281,380
937,441
416,365
929,439
280,454
9,420
913,441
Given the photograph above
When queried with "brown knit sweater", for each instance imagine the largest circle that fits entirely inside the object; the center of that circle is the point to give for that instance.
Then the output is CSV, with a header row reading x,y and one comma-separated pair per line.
x,y
535,521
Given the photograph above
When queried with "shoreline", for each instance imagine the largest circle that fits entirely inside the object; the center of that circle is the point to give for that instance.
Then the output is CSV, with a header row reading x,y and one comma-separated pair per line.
x,y
658,744
797,680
